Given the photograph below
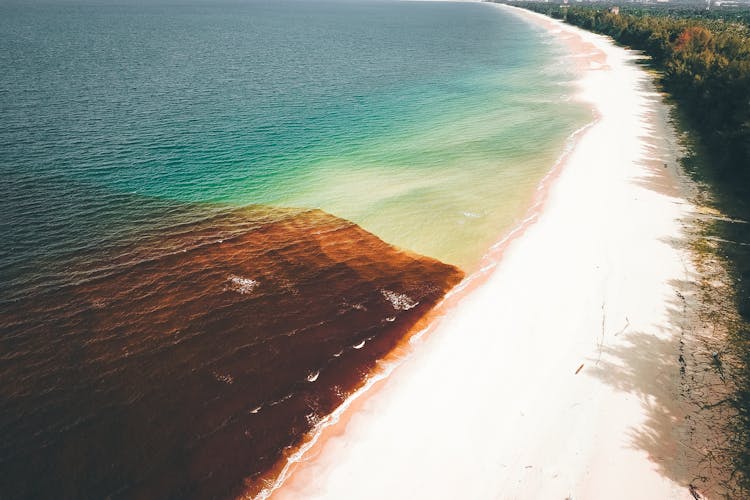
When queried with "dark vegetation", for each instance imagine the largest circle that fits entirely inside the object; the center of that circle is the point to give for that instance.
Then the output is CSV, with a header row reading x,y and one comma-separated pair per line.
x,y
703,58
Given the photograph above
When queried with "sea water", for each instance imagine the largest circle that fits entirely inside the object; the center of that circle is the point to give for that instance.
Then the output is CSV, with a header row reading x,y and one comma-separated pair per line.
x,y
217,215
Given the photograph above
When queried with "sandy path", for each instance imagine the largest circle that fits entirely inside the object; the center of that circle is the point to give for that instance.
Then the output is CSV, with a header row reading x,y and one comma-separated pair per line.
x,y
490,405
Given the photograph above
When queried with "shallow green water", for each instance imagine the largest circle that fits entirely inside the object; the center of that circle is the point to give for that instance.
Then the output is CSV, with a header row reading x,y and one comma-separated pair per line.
x,y
427,123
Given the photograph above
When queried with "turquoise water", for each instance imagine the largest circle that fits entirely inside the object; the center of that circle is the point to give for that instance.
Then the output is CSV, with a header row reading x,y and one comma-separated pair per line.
x,y
173,315
426,123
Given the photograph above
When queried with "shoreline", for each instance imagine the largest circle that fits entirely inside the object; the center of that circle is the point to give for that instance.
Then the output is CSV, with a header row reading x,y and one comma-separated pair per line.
x,y
269,484
334,424
326,465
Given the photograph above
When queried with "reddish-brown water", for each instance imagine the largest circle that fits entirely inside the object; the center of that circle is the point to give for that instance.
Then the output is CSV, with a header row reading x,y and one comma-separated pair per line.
x,y
183,365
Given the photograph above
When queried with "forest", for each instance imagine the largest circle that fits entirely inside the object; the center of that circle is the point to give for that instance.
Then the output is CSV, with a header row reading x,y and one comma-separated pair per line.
x,y
703,56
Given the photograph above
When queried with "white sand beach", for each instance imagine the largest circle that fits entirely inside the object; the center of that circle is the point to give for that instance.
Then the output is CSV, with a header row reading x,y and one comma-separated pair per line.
x,y
556,377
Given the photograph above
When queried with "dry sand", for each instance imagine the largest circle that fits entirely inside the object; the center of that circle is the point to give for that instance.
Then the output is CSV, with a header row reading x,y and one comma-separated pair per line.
x,y
557,377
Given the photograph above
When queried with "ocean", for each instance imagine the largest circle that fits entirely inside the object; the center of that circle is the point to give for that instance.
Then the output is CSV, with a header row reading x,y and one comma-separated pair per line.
x,y
218,215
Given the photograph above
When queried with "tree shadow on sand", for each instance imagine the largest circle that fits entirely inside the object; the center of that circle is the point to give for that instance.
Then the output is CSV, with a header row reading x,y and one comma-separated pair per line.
x,y
690,373
686,403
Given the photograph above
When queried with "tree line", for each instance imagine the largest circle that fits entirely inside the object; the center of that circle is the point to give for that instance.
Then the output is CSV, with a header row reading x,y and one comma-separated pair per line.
x,y
704,60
